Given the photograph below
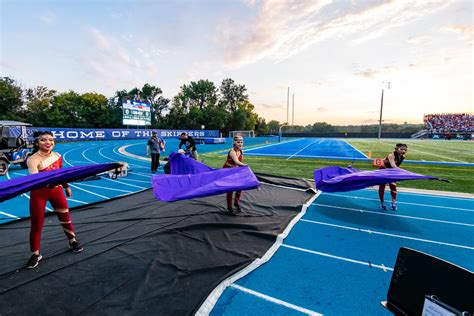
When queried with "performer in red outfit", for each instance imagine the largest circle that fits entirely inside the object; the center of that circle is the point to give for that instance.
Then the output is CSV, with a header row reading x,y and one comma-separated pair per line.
x,y
234,160
393,160
43,159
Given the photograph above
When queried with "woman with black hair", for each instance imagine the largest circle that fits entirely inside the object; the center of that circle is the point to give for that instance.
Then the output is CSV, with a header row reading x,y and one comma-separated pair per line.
x,y
393,160
44,159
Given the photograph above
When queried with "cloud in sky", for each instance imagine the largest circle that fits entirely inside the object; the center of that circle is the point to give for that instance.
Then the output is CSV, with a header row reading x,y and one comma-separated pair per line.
x,y
334,55
282,29
48,17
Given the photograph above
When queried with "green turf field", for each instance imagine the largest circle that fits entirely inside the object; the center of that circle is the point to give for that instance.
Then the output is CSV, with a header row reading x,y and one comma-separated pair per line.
x,y
461,177
427,150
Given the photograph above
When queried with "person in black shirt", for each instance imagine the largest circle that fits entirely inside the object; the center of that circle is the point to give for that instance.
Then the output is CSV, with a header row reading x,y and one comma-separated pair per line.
x,y
393,160
190,145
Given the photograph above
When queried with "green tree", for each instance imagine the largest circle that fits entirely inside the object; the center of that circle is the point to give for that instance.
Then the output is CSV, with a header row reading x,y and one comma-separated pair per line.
x,y
93,110
273,126
231,95
38,102
323,127
201,94
10,100
64,110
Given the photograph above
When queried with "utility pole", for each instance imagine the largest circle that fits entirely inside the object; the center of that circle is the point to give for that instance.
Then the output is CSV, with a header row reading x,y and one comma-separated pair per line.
x,y
381,109
293,118
288,106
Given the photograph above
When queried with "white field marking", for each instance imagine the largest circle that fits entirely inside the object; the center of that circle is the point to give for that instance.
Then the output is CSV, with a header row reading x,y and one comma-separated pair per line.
x,y
382,267
207,306
315,142
308,156
142,174
428,193
444,149
396,215
84,155
90,192
437,194
288,188
356,149
133,180
105,188
387,234
407,203
270,145
125,153
9,215
116,151
67,152
77,201
130,185
434,155
275,300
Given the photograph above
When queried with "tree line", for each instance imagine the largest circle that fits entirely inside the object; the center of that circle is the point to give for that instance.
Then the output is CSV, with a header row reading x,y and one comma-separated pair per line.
x,y
224,108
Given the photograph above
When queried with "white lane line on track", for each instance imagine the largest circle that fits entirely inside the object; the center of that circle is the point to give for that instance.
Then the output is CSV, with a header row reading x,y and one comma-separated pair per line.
x,y
130,185
395,215
133,180
275,144
275,300
146,175
105,188
311,144
77,201
407,203
9,215
90,192
382,267
388,234
355,149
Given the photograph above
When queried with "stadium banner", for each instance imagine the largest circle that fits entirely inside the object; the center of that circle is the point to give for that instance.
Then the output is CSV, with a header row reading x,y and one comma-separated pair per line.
x,y
83,134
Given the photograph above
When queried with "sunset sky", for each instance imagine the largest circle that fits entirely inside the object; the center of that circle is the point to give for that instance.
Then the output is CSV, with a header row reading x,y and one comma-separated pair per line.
x,y
334,55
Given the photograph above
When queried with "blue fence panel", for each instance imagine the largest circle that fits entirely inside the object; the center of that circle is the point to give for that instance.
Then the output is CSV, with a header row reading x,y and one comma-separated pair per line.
x,y
83,134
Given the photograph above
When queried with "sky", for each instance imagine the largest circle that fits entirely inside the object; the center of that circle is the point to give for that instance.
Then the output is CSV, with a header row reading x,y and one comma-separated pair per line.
x,y
336,57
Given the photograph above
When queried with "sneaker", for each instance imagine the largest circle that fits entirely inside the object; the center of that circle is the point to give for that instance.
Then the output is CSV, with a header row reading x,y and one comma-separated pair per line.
x,y
231,211
33,262
394,206
237,207
383,207
75,246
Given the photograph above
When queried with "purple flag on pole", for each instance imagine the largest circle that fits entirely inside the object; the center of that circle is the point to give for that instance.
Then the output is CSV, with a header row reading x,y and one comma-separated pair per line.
x,y
191,179
17,186
337,179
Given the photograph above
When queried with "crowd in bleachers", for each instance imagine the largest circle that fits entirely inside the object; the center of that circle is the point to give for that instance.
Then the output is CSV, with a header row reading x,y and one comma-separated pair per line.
x,y
449,122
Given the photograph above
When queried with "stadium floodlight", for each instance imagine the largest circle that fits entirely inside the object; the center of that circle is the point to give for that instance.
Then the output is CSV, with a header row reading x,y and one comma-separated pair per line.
x,y
388,85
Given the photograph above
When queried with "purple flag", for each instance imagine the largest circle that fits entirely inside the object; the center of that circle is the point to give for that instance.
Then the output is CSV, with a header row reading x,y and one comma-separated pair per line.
x,y
337,179
191,179
17,186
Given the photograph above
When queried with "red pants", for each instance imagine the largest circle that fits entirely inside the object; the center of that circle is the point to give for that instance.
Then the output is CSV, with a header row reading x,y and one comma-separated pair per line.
x,y
393,192
238,195
38,199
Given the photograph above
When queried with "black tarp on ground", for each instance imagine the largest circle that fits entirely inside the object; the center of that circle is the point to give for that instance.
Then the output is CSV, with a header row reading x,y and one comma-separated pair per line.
x,y
142,256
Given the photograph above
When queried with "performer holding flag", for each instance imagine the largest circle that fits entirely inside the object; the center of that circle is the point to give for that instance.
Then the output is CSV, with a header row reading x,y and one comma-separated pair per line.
x,y
393,160
234,159
44,159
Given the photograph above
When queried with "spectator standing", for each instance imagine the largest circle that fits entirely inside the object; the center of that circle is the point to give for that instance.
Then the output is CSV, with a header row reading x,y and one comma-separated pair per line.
x,y
156,146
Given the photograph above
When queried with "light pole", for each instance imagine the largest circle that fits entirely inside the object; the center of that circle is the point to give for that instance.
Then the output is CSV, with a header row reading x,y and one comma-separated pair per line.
x,y
381,109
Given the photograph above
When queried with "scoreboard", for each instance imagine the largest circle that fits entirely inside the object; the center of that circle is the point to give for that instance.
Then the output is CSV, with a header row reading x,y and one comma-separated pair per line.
x,y
136,113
